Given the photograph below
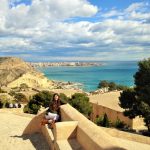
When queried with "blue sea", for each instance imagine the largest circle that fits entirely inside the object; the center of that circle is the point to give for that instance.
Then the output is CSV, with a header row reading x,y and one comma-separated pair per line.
x,y
120,72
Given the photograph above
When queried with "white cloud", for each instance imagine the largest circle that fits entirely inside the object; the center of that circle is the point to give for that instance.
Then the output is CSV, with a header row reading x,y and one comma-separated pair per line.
x,y
42,28
42,12
112,13
135,6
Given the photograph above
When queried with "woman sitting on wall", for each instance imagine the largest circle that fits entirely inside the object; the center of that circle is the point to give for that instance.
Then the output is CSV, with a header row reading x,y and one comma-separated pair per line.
x,y
53,112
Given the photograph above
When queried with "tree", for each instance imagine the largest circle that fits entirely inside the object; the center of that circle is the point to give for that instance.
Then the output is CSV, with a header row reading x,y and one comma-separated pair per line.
x,y
122,87
43,98
112,86
81,102
137,102
103,84
142,81
128,101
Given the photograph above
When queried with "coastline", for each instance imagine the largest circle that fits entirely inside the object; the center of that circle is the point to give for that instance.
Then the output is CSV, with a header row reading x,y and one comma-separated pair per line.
x,y
64,64
90,77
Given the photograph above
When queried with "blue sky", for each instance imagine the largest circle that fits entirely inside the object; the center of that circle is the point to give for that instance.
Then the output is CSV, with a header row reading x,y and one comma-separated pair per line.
x,y
54,30
108,4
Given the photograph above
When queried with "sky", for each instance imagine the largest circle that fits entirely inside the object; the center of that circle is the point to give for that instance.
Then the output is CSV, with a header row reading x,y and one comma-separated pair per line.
x,y
75,30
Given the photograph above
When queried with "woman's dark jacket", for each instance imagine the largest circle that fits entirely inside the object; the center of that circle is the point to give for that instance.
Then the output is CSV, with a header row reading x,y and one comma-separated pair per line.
x,y
54,107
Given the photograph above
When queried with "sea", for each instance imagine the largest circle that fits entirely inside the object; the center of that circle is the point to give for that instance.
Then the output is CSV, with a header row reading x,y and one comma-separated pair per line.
x,y
120,72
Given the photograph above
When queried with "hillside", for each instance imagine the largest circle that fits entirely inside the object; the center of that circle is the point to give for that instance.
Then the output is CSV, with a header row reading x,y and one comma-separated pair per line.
x,y
14,71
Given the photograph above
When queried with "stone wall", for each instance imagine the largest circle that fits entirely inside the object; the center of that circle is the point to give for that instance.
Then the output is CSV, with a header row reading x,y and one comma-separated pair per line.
x,y
89,135
99,110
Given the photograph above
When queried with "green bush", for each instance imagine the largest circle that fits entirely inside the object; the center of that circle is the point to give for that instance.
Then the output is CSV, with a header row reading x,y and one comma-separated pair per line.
x,y
111,85
103,84
12,93
26,109
122,87
64,98
43,98
31,108
103,121
119,124
81,102
99,120
20,97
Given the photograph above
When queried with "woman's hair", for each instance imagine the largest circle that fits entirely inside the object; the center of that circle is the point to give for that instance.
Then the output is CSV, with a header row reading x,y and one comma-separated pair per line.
x,y
55,95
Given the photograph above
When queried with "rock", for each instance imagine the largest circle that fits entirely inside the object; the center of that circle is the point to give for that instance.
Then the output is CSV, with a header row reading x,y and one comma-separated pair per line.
x,y
12,68
14,71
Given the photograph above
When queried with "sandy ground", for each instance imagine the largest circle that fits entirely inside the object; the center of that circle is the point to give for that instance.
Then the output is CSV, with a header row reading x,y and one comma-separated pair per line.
x,y
67,92
11,129
110,100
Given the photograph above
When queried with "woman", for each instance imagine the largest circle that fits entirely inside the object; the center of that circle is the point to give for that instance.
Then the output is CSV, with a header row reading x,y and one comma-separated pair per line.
x,y
53,113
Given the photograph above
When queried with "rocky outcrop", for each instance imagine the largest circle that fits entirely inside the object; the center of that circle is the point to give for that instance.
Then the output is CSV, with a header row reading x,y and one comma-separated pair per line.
x,y
12,68
14,71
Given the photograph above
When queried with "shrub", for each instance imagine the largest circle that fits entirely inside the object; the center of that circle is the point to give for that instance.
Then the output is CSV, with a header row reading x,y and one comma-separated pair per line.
x,y
64,98
20,97
99,120
103,84
31,108
119,124
43,98
122,87
111,85
81,102
26,109
12,93
103,121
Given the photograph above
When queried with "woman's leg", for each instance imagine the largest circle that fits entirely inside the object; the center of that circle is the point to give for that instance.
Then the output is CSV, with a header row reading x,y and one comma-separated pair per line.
x,y
44,121
52,116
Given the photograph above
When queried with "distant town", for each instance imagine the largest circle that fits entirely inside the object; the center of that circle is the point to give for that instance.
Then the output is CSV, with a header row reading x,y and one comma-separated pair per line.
x,y
49,64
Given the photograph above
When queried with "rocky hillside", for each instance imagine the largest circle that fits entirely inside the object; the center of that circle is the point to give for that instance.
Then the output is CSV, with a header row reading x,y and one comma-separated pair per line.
x,y
14,71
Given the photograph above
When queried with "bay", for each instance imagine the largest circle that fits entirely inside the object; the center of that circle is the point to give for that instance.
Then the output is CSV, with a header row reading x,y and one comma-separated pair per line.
x,y
120,72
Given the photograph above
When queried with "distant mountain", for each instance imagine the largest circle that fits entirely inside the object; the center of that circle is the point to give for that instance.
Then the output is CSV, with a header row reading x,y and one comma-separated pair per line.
x,y
14,71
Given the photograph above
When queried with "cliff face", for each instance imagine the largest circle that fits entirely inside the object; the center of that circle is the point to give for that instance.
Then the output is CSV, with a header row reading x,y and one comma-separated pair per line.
x,y
14,71
12,68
